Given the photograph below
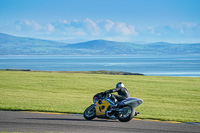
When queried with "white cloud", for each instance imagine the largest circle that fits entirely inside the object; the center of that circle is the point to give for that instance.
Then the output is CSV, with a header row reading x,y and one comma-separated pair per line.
x,y
124,29
177,33
190,25
151,29
75,20
72,31
118,38
90,23
33,24
109,25
76,28
92,27
50,27
23,25
64,21
188,28
104,29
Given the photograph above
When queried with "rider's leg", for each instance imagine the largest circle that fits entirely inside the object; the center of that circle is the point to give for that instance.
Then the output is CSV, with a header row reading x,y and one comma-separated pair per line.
x,y
113,98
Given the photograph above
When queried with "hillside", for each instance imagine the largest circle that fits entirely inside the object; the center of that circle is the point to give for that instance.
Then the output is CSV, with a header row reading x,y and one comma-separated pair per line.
x,y
58,92
24,46
12,45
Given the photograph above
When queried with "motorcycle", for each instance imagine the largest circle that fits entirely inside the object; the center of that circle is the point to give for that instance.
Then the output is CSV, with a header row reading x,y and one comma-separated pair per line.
x,y
104,107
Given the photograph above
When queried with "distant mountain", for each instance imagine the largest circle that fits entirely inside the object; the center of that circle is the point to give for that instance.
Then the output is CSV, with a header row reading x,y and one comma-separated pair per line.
x,y
102,47
12,45
124,48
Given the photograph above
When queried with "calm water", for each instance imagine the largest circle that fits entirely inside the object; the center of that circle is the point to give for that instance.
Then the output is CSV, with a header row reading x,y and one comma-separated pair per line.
x,y
161,66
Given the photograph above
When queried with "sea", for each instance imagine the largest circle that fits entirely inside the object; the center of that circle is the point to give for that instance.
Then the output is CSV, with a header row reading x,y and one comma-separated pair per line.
x,y
180,66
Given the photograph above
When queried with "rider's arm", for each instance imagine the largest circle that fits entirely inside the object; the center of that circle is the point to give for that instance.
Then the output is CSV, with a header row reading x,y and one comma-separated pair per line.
x,y
113,90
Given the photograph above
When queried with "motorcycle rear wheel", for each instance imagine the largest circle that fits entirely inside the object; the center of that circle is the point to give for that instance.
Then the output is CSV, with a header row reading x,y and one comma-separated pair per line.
x,y
127,114
90,113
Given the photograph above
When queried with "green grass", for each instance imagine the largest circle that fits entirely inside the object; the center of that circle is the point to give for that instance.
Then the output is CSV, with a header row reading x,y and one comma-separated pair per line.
x,y
165,98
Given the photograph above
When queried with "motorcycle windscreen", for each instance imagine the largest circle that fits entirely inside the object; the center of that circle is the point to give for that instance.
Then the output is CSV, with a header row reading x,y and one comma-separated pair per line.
x,y
101,107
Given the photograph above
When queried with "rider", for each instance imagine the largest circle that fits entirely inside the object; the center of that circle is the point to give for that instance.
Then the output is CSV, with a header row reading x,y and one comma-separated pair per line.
x,y
121,90
122,94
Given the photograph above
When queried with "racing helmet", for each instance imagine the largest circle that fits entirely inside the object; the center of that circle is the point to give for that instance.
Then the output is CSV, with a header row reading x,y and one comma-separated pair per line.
x,y
120,84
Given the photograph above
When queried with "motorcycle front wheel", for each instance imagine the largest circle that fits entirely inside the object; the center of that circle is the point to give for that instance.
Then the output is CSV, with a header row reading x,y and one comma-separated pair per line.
x,y
126,114
90,113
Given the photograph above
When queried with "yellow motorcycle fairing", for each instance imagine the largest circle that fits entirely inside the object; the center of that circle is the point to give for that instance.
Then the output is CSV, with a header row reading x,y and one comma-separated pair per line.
x,y
101,107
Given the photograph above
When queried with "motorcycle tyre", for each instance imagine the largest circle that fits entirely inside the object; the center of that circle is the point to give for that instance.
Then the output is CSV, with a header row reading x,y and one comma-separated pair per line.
x,y
129,117
86,110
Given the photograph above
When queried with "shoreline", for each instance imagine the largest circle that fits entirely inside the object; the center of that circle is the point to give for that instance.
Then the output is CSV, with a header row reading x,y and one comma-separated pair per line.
x,y
101,72
86,72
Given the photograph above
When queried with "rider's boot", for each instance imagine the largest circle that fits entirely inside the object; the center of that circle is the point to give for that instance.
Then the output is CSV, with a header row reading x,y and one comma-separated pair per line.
x,y
137,113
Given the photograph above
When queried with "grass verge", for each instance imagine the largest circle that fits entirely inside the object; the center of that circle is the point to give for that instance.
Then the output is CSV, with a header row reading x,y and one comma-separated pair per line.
x,y
165,98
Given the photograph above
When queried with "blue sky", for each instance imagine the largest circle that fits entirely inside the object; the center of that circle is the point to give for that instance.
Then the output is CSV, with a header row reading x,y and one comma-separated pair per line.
x,y
144,21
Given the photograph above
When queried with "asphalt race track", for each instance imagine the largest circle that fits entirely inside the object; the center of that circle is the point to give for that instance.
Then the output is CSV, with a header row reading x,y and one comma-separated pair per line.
x,y
15,121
